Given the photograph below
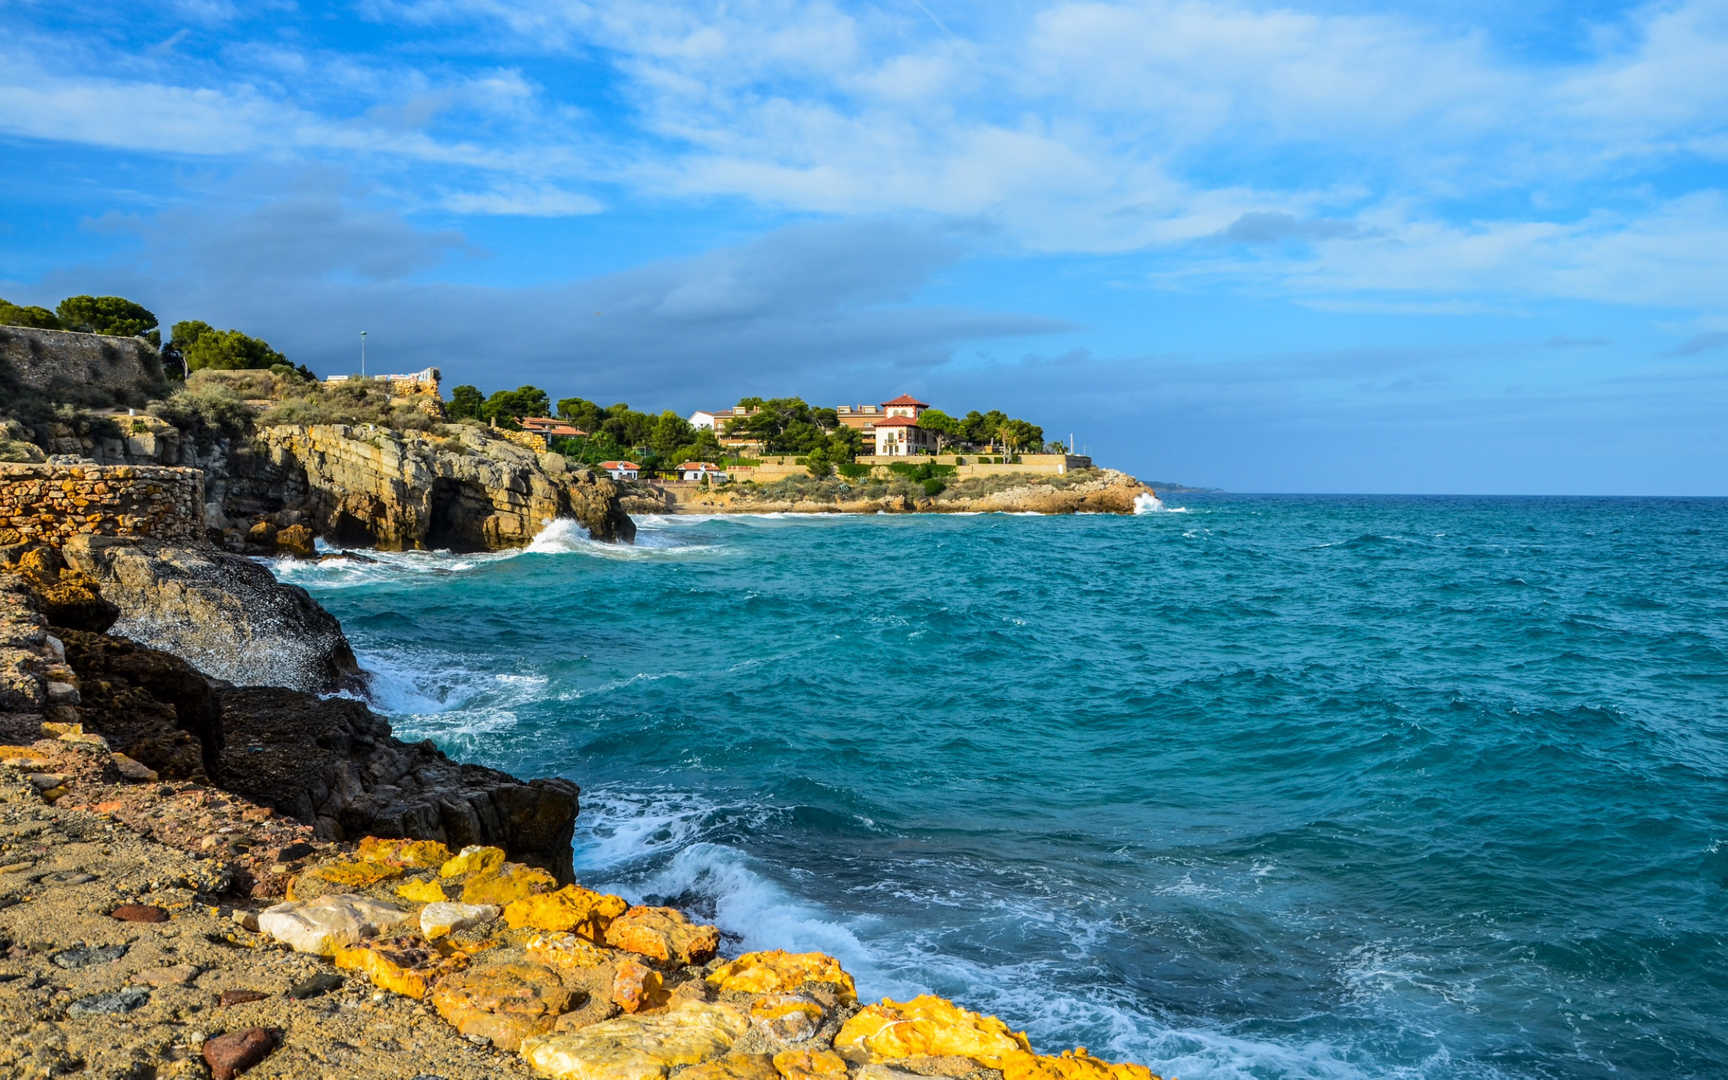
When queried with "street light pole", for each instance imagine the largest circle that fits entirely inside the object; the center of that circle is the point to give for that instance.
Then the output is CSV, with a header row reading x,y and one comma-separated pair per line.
x,y
362,354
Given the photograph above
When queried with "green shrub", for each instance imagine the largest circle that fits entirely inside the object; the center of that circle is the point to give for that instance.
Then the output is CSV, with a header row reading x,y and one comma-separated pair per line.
x,y
934,487
205,413
852,470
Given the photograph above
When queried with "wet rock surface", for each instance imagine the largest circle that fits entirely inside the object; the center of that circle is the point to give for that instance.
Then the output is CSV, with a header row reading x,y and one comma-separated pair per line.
x,y
334,763
225,614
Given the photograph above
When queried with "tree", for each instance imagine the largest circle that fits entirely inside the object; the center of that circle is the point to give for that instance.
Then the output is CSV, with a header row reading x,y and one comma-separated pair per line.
x,y
944,427
819,463
581,412
203,346
670,432
115,316
466,402
39,317
510,406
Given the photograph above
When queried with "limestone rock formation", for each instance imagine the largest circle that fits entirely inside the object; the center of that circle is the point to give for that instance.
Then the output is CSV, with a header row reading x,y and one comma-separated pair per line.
x,y
469,491
333,763
225,614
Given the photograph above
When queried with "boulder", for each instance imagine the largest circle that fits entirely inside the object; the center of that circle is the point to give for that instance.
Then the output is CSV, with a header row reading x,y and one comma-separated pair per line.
x,y
441,919
776,971
641,1047
225,614
503,1002
663,935
571,909
325,925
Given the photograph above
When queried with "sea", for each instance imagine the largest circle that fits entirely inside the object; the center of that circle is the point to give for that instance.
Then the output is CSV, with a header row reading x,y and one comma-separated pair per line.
x,y
1272,787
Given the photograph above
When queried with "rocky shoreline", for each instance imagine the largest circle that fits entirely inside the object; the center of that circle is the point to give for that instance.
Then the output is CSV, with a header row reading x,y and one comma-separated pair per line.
x,y
193,884
1093,491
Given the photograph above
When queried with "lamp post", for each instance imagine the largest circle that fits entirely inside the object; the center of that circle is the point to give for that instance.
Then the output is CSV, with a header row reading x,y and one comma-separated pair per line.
x,y
362,354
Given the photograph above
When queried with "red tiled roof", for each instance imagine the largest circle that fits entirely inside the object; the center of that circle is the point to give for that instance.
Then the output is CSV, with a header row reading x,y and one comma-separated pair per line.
x,y
896,421
689,466
619,465
551,425
905,399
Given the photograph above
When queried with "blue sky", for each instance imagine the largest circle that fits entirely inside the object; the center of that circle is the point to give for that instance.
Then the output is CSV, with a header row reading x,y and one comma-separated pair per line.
x,y
1345,246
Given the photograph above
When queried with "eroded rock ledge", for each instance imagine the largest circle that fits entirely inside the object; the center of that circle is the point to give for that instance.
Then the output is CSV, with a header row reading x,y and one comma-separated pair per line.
x,y
328,761
362,485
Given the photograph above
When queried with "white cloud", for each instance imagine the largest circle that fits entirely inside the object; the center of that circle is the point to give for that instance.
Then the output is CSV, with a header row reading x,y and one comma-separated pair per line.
x,y
520,200
1096,126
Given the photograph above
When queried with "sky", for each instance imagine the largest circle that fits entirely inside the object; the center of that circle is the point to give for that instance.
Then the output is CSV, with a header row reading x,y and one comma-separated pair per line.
x,y
1318,245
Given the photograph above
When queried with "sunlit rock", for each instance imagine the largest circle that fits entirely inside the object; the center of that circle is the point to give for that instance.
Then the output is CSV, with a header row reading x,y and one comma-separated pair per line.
x,y
328,923
571,909
663,935
641,1047
504,1002
777,970
438,919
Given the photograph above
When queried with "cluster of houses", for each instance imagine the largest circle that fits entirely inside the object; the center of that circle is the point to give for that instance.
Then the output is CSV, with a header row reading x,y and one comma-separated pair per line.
x,y
692,471
892,425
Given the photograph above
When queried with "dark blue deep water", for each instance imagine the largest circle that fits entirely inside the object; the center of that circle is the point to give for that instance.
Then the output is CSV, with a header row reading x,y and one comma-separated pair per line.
x,y
1274,787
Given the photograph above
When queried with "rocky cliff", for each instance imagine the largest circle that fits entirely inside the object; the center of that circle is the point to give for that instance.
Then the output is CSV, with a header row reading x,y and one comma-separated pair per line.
x,y
468,490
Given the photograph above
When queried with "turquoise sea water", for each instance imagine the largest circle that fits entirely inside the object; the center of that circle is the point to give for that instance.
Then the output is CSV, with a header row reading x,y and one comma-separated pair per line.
x,y
1273,787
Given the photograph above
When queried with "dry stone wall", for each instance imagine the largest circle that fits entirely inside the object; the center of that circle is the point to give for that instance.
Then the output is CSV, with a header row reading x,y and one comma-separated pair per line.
x,y
50,503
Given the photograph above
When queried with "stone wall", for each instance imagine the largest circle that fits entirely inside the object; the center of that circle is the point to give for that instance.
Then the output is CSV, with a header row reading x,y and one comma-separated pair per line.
x,y
52,503
93,370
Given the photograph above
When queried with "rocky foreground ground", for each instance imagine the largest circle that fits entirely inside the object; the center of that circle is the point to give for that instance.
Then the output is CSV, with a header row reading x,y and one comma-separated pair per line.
x,y
152,930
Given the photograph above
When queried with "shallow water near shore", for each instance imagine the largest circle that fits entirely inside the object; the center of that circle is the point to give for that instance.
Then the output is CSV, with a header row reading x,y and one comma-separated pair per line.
x,y
1276,787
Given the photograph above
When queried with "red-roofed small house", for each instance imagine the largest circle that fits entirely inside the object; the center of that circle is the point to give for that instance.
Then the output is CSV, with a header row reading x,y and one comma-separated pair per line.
x,y
702,470
622,470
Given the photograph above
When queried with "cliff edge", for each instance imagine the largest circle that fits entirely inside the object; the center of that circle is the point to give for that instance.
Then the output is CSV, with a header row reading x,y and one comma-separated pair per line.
x,y
466,489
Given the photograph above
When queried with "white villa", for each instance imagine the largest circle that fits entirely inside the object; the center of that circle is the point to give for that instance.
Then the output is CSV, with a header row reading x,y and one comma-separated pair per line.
x,y
702,470
622,470
897,432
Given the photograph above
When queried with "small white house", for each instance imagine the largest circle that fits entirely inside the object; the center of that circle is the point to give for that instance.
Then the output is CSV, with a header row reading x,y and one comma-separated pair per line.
x,y
622,470
703,419
702,470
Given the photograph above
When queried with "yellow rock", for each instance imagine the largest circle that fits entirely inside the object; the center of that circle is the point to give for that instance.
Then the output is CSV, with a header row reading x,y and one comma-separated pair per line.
x,y
504,1002
635,986
344,876
510,883
422,892
473,860
662,935
733,1067
1074,1065
777,970
566,952
419,854
571,909
810,1065
933,1027
641,1047
402,965
788,1017
926,1026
